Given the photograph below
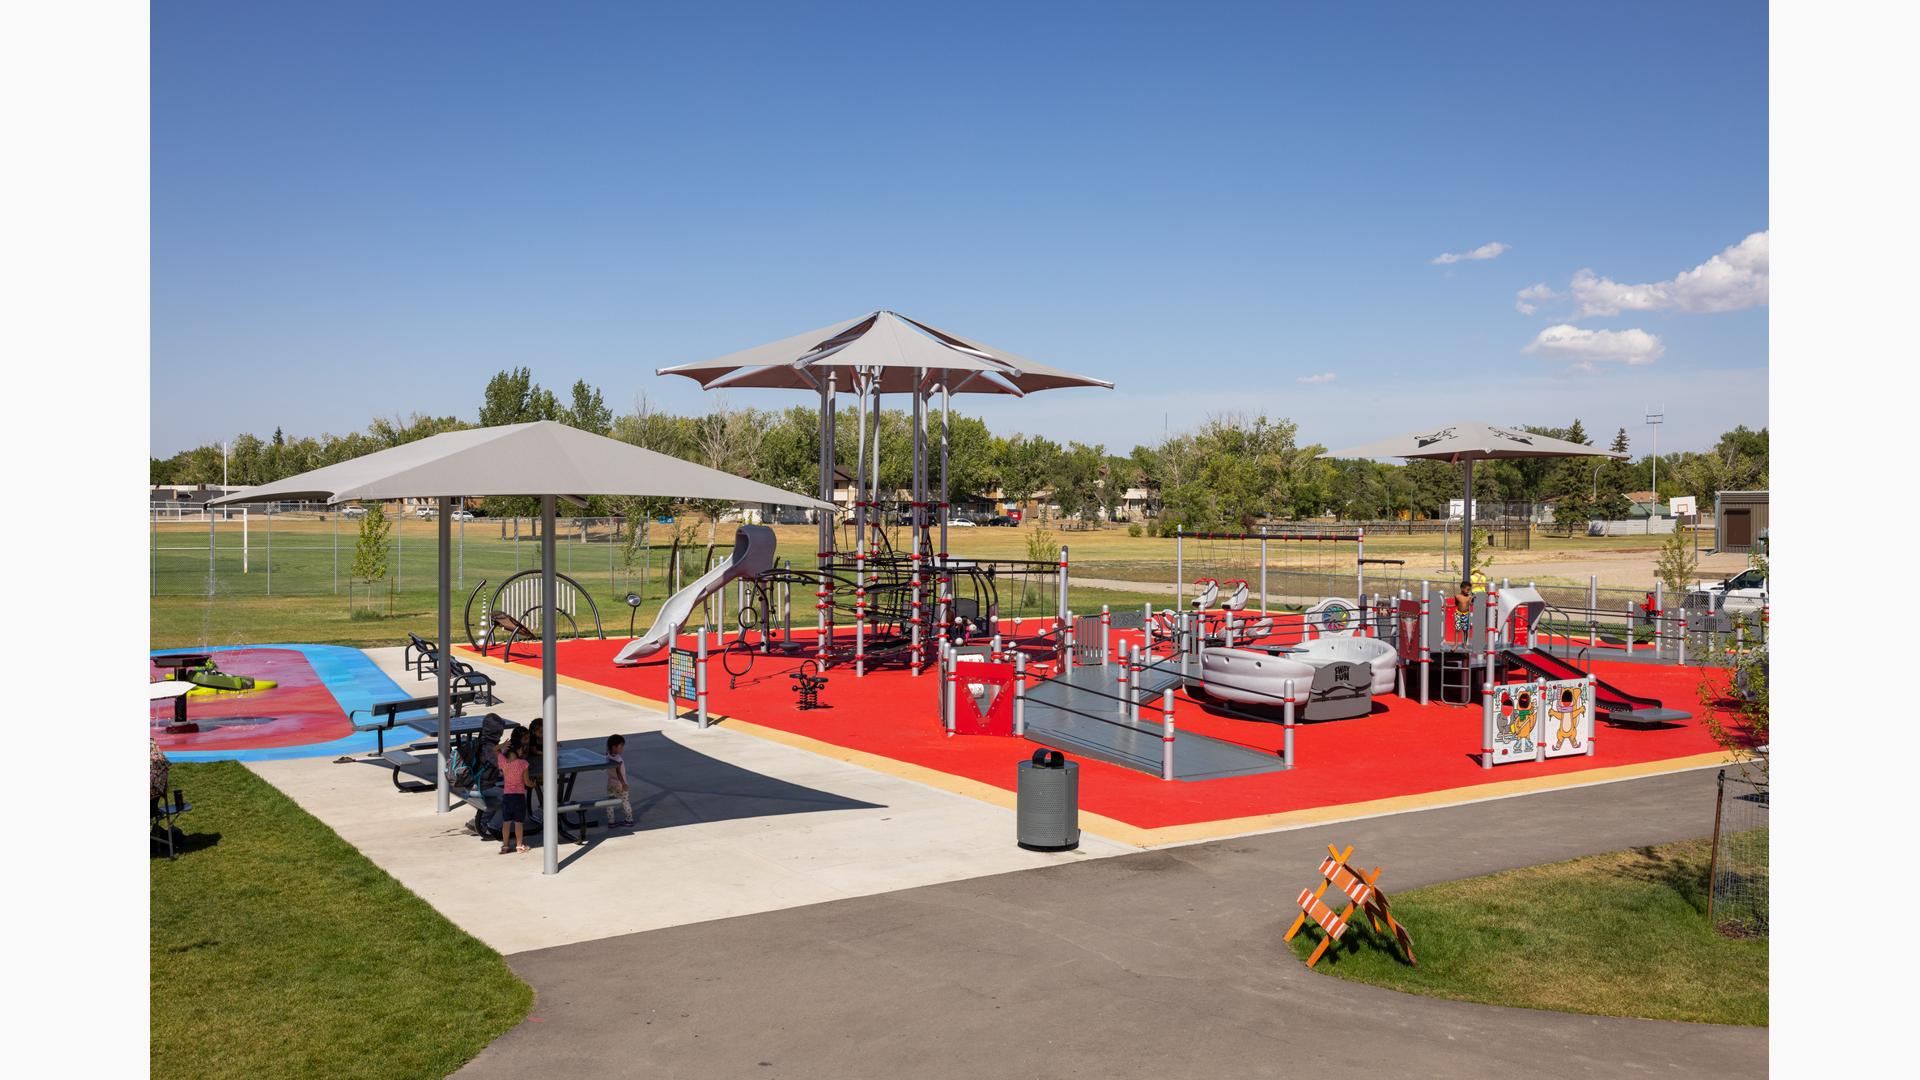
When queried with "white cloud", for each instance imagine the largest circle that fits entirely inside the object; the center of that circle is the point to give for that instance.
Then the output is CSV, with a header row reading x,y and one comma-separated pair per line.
x,y
1588,347
1484,251
1528,300
1315,380
1734,279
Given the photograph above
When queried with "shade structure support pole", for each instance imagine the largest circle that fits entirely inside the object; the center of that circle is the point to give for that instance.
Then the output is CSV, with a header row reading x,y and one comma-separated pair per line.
x,y
444,643
873,489
823,592
863,384
1360,567
1179,542
549,698
832,532
1263,575
945,574
917,557
1466,527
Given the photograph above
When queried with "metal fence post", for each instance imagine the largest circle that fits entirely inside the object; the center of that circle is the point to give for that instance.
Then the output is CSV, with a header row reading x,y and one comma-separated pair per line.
x,y
269,554
212,576
700,677
1019,694
1286,720
1166,735
336,554
1593,610
949,687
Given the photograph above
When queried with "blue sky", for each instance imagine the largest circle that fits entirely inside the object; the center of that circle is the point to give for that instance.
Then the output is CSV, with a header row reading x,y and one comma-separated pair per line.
x,y
367,209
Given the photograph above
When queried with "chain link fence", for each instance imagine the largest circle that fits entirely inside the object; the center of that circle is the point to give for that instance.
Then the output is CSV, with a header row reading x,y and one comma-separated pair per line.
x,y
306,552
1738,878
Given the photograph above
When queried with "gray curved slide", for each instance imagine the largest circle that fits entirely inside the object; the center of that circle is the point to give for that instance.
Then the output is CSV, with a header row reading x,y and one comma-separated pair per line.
x,y
753,548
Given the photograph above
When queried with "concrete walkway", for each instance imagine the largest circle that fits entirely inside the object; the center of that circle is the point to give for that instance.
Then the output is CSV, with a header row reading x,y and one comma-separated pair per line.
x,y
729,824
1161,964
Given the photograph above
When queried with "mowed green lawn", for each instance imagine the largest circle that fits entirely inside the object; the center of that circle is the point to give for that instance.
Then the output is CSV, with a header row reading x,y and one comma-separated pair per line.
x,y
277,950
310,597
1620,934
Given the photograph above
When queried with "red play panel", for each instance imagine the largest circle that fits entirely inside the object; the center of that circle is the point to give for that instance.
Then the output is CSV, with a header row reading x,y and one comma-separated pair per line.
x,y
1402,749
300,710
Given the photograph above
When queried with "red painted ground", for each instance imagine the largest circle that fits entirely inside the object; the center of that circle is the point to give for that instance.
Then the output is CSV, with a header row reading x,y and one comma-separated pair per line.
x,y
1402,749
299,711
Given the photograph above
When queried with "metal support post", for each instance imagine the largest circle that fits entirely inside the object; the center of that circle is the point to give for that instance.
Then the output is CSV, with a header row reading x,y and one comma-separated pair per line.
x,y
1286,721
1019,695
700,677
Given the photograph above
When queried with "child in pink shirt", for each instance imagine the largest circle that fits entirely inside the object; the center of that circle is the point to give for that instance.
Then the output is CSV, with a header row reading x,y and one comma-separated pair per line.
x,y
513,793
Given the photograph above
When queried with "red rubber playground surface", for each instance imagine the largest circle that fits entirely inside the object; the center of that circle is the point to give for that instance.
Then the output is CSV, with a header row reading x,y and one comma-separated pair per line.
x,y
1402,749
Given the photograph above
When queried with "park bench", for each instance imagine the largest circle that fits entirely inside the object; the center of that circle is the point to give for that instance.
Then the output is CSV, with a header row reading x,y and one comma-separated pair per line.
x,y
423,659
386,714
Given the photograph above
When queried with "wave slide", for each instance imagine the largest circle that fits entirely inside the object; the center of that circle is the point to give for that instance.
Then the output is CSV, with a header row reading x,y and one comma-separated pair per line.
x,y
753,549
1620,706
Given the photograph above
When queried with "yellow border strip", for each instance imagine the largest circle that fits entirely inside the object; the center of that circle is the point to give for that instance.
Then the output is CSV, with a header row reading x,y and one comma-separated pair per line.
x,y
1139,836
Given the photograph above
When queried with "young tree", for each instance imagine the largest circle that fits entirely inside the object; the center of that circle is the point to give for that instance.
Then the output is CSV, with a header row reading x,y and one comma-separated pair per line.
x,y
512,397
588,411
1676,564
375,542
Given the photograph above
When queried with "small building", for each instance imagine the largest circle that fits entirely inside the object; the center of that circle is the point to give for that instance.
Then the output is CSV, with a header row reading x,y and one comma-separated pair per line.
x,y
1740,520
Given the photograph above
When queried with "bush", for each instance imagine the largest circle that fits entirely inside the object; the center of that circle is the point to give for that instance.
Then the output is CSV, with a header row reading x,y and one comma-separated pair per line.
x,y
1135,530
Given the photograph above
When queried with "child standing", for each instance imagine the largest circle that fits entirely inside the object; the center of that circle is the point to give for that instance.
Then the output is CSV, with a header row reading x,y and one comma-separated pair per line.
x,y
1463,613
513,793
617,782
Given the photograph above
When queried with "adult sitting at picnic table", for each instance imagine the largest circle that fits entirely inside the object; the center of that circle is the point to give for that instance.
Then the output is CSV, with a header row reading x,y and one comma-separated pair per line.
x,y
159,771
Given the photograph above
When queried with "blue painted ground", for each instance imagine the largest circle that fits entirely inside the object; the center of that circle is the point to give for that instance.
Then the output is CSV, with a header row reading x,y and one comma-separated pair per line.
x,y
348,675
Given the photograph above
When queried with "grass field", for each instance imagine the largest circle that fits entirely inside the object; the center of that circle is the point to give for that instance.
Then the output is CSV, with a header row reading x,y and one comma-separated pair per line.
x,y
309,597
1621,934
277,950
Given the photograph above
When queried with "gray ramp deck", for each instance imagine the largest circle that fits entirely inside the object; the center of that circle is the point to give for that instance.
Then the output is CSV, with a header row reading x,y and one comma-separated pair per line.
x,y
1079,713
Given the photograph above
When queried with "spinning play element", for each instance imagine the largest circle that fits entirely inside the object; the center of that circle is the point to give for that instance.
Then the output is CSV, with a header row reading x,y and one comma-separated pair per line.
x,y
1362,893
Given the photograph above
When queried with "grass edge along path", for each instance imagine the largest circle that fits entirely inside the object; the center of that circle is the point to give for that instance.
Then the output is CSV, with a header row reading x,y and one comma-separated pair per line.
x,y
277,949
1619,934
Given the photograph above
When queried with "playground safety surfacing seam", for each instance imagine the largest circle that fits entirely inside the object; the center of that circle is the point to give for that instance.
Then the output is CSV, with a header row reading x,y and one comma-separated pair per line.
x,y
1402,757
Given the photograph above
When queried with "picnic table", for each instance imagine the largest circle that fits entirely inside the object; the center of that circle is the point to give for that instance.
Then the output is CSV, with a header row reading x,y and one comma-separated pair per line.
x,y
569,764
178,691
462,729
179,662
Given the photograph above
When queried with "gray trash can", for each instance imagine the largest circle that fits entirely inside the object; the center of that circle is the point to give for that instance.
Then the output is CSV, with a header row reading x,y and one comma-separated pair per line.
x,y
1048,802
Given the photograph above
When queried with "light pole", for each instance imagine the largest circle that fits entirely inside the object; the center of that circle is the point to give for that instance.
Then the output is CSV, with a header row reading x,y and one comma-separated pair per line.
x,y
1654,420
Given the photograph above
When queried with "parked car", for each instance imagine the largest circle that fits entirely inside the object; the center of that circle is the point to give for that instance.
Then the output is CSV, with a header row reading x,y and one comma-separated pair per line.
x,y
463,515
1743,592
960,523
426,513
354,512
1003,521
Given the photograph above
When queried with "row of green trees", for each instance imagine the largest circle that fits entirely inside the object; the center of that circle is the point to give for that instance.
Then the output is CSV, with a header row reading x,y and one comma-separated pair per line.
x,y
1230,472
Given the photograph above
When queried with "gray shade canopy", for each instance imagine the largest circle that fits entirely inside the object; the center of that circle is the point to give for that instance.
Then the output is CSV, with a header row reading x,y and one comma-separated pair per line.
x,y
1471,440
544,457
893,346
1466,443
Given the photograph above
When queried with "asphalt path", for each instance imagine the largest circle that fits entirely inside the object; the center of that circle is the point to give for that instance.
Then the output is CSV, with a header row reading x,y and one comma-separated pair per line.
x,y
1167,963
